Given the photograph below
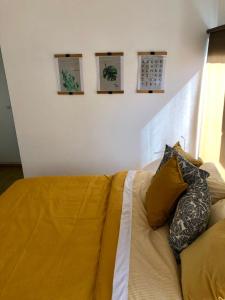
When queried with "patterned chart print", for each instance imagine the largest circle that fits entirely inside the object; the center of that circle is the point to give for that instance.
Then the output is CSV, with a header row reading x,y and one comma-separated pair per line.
x,y
151,73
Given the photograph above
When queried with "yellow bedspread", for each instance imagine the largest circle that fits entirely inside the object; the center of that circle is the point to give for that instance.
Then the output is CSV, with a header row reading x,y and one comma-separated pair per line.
x,y
58,237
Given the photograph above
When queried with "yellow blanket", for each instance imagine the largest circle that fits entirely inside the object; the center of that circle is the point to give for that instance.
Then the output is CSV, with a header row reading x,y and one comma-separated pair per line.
x,y
58,237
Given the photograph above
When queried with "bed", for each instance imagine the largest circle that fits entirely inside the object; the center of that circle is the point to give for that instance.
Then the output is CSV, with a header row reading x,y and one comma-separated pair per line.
x,y
84,237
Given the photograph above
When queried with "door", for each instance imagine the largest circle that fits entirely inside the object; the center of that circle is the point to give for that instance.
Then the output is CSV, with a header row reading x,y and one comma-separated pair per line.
x,y
9,151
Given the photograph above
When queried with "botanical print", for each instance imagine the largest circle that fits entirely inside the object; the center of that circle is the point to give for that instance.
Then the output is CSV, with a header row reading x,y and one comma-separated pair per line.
x,y
110,73
69,81
69,71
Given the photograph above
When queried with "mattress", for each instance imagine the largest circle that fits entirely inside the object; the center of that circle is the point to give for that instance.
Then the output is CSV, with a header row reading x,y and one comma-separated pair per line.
x,y
83,238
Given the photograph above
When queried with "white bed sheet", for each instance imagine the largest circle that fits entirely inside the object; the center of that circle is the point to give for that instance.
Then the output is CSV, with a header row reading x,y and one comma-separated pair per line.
x,y
145,266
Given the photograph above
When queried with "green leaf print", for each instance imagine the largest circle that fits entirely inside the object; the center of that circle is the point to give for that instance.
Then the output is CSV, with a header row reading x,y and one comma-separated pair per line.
x,y
110,73
69,82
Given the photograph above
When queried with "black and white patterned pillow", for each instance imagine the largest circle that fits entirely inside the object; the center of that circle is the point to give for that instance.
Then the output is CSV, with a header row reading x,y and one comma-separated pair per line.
x,y
193,208
191,216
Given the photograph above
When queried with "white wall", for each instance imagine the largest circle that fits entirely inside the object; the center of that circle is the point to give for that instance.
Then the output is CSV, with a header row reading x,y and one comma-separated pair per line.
x,y
177,121
95,133
9,152
221,12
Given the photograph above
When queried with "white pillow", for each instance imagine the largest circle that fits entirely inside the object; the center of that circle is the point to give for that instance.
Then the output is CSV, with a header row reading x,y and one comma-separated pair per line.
x,y
213,171
215,182
152,166
216,189
217,212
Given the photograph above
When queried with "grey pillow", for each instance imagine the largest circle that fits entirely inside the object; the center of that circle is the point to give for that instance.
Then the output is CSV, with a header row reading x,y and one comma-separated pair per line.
x,y
193,209
189,172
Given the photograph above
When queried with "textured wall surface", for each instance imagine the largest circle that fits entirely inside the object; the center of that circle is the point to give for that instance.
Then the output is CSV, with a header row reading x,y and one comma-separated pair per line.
x,y
101,133
221,12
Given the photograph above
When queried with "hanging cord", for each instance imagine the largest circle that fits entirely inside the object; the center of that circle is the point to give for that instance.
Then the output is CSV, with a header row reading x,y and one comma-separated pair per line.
x,y
184,145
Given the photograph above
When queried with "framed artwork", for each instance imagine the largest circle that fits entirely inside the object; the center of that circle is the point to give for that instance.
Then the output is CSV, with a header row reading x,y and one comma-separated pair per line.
x,y
110,72
151,72
70,74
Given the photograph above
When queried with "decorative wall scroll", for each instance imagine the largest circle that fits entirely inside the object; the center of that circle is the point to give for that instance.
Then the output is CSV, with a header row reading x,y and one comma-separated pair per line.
x,y
151,72
110,72
70,74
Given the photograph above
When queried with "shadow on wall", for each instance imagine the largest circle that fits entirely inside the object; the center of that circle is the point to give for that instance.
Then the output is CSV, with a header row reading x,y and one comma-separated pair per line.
x,y
176,121
222,149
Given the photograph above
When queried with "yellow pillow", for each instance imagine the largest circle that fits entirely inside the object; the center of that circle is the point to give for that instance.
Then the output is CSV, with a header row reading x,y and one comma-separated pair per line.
x,y
203,266
187,156
163,192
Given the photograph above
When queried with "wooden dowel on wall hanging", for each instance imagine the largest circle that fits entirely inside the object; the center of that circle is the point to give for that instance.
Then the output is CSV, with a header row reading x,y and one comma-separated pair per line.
x,y
67,55
153,53
110,92
70,93
109,54
150,91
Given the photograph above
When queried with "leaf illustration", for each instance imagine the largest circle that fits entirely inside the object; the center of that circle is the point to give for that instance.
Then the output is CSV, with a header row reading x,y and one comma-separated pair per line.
x,y
110,73
69,82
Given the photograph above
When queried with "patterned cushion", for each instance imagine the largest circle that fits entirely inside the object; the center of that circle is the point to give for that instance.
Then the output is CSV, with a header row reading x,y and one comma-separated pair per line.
x,y
193,209
187,156
189,171
191,216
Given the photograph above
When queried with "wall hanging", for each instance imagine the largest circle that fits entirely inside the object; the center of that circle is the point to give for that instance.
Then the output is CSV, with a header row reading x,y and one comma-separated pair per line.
x,y
70,74
110,72
151,72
